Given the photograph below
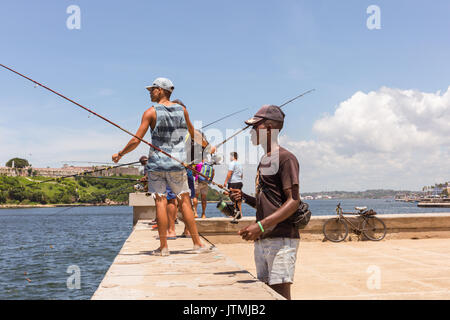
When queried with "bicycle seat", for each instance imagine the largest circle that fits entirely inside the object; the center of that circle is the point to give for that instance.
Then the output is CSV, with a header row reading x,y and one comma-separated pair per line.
x,y
360,208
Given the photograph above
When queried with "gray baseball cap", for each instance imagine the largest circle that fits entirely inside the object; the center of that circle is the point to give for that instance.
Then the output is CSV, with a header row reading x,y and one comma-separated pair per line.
x,y
162,83
269,112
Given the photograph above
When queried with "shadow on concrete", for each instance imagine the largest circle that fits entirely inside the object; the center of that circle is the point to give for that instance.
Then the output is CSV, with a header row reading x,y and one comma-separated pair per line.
x,y
232,272
150,252
246,281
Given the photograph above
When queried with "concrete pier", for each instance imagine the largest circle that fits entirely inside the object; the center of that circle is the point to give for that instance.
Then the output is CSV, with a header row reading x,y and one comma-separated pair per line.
x,y
137,274
364,270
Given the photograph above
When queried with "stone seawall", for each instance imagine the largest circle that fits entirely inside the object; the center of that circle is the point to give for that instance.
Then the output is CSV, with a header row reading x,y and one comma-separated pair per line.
x,y
399,226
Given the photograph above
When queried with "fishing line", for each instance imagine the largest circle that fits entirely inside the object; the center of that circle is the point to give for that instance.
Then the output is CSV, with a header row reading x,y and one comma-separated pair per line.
x,y
111,178
224,117
245,128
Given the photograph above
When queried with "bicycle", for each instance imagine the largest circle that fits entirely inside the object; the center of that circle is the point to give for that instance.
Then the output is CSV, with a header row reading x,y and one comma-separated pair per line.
x,y
336,229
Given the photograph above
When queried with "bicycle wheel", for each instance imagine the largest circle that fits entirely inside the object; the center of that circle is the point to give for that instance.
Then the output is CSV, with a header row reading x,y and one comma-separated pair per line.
x,y
374,228
335,230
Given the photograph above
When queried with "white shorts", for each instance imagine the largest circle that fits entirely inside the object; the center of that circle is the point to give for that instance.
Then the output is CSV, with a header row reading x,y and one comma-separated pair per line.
x,y
275,259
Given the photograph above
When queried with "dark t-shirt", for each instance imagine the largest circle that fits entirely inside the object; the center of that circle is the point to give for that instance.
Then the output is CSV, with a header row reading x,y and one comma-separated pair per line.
x,y
275,173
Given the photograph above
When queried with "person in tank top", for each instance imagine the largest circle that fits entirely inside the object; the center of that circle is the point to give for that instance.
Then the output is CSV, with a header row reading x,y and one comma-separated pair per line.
x,y
169,123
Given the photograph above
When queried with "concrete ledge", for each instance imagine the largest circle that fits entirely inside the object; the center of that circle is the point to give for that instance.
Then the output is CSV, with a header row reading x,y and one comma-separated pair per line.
x,y
139,199
399,226
143,207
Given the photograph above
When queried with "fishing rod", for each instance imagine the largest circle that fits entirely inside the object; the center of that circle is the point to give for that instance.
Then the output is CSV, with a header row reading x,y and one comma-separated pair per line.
x,y
112,178
119,127
87,172
245,128
120,190
72,161
224,117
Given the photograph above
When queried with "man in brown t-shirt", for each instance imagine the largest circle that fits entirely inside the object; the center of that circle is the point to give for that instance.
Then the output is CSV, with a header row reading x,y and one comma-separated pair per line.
x,y
277,198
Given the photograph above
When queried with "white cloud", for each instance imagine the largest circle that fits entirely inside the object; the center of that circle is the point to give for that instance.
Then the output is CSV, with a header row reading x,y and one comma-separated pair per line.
x,y
389,138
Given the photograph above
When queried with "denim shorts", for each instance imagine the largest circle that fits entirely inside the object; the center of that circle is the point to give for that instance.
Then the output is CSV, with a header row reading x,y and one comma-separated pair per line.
x,y
170,195
158,181
275,260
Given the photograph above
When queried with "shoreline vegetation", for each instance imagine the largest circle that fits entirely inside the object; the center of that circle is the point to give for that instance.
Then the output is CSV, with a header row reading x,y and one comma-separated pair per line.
x,y
27,192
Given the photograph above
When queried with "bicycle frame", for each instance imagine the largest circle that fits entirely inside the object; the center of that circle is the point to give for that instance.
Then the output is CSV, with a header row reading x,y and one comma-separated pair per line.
x,y
340,212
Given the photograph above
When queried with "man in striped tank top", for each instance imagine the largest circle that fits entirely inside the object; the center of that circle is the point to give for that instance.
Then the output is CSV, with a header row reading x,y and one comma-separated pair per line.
x,y
169,123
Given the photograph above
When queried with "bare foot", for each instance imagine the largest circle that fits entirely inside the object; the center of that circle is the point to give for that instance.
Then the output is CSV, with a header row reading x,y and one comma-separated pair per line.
x,y
203,216
186,233
171,235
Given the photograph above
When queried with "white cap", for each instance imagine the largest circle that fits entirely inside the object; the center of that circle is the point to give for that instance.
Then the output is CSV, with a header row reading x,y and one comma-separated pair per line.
x,y
162,83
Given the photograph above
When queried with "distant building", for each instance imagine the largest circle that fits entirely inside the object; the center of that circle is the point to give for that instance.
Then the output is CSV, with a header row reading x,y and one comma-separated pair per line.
x,y
66,170
7,171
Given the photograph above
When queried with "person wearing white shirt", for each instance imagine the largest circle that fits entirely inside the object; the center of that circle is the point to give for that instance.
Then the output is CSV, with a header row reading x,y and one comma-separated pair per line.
x,y
234,175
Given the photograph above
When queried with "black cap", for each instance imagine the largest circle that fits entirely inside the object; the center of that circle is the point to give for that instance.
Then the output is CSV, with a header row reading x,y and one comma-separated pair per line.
x,y
268,112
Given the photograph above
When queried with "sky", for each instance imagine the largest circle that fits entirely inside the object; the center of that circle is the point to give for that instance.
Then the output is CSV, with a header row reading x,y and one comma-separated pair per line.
x,y
378,118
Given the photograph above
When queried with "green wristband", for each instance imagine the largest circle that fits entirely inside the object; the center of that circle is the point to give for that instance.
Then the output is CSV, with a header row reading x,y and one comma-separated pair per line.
x,y
260,226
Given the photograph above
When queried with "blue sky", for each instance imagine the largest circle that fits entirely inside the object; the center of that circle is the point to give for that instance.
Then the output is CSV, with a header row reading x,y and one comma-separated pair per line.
x,y
221,56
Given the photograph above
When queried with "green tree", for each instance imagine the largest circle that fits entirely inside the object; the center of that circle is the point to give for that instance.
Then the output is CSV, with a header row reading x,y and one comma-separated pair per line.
x,y
212,195
38,196
99,197
2,197
17,193
18,163
83,183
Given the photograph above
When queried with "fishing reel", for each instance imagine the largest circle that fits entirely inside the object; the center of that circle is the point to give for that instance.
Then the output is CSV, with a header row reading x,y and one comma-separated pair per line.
x,y
229,209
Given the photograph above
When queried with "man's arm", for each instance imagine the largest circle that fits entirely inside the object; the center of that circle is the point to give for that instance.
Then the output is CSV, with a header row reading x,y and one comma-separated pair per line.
x,y
253,231
237,195
286,210
230,172
148,118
